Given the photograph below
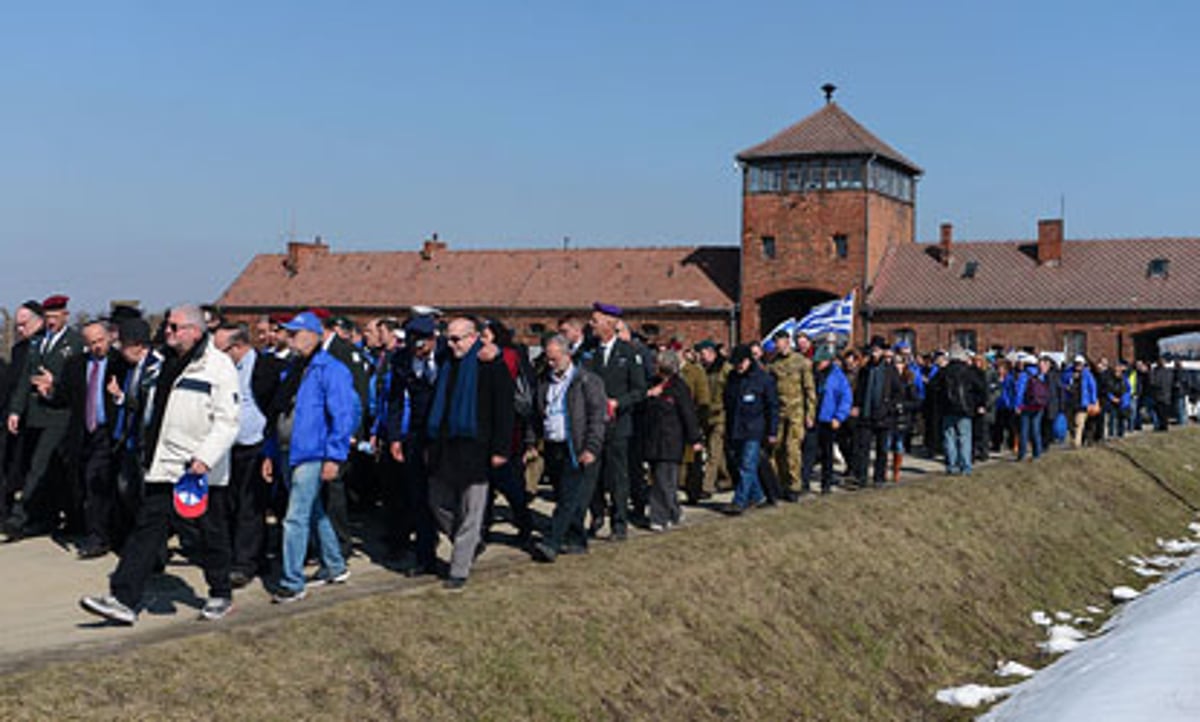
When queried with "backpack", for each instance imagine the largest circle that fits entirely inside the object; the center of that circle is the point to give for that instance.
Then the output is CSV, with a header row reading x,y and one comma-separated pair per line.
x,y
1037,394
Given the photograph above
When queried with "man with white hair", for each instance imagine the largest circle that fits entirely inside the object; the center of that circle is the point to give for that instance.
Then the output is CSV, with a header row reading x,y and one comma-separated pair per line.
x,y
193,422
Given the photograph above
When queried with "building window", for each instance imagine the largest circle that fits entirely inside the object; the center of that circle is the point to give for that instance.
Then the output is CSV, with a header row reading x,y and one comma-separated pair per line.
x,y
840,246
1158,268
1075,343
970,269
906,336
764,179
965,339
768,247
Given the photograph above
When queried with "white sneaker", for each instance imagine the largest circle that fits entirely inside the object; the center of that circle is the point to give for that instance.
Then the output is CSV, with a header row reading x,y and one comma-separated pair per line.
x,y
657,527
321,578
216,608
109,608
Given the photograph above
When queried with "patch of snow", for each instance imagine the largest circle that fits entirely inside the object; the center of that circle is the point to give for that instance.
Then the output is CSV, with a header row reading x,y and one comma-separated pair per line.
x,y
1124,594
1040,618
1093,609
1013,669
1178,546
971,695
1195,527
1146,571
1061,638
1142,668
1163,562
1062,616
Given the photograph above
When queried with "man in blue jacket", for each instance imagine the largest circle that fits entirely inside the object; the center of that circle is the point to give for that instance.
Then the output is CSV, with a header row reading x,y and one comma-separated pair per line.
x,y
751,417
325,415
834,401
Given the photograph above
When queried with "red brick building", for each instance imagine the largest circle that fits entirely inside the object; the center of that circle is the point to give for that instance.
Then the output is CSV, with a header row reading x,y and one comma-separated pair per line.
x,y
683,292
827,207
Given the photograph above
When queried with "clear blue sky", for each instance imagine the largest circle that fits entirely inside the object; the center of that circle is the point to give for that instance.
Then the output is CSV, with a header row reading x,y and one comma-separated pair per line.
x,y
150,149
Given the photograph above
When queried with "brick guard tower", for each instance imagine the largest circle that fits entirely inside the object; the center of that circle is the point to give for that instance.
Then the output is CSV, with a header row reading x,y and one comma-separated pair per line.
x,y
822,202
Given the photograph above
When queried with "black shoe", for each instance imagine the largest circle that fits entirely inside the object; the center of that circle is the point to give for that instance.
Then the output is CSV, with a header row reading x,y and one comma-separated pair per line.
x,y
732,509
92,551
619,535
573,549
454,584
791,497
544,553
12,532
237,579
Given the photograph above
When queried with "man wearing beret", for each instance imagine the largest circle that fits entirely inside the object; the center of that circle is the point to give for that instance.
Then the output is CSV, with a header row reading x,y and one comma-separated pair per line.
x,y
621,368
42,424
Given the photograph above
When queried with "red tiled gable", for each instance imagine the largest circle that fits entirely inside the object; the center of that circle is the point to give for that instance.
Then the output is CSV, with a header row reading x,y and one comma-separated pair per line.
x,y
829,131
1097,275
517,279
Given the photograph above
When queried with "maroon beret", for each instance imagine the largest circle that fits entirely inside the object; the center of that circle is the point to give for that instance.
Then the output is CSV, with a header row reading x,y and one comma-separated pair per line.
x,y
55,303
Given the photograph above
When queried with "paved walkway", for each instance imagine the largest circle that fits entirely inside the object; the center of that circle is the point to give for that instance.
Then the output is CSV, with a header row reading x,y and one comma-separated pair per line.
x,y
44,581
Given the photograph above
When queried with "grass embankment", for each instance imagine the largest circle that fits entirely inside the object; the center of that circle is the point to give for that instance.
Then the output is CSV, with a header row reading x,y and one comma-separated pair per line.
x,y
855,607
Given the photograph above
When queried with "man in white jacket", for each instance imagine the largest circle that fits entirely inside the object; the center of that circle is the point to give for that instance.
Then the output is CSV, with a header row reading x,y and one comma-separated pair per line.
x,y
192,423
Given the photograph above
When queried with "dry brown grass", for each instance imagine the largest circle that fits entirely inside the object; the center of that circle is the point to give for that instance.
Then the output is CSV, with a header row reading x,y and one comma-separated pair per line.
x,y
855,607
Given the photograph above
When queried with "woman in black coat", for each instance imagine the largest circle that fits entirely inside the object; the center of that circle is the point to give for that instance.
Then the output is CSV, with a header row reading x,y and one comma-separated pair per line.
x,y
902,404
670,425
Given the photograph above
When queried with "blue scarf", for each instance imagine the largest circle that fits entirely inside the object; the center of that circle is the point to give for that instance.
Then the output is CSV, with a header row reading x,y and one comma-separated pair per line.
x,y
464,414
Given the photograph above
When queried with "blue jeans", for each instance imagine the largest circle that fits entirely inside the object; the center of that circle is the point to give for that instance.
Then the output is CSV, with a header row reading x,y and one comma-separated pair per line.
x,y
749,489
956,436
1031,430
305,512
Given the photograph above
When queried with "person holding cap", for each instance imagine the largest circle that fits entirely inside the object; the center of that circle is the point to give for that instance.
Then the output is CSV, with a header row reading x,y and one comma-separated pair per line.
x,y
316,433
192,422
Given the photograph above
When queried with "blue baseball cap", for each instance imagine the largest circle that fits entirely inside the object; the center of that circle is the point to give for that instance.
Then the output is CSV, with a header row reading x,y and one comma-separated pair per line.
x,y
191,495
305,321
420,327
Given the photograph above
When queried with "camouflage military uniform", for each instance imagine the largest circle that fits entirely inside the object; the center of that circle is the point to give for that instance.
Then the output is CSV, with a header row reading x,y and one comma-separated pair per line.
x,y
798,407
692,478
716,470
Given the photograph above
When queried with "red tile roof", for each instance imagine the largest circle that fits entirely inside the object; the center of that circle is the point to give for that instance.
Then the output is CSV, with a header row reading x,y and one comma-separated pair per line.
x,y
1094,275
518,279
829,131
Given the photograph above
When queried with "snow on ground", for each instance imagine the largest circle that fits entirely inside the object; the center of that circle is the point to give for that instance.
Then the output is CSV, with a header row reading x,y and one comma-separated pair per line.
x,y
1124,594
1040,618
1013,669
1143,667
1178,546
1061,638
971,695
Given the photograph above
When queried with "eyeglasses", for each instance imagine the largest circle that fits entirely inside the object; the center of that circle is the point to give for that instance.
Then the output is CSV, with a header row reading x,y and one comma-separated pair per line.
x,y
175,327
457,339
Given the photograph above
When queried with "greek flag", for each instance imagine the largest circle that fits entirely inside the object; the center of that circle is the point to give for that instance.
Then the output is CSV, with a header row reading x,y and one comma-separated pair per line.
x,y
831,317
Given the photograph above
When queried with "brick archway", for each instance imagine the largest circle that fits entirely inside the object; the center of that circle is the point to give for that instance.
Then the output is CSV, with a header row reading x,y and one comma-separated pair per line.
x,y
776,307
1145,339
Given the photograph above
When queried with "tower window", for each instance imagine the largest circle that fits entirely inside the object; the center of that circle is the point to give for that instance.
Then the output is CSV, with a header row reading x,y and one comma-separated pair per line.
x,y
840,245
768,247
1158,268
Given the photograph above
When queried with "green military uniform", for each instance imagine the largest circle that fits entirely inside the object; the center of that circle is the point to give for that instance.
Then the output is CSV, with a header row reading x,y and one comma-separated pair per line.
x,y
798,409
716,470
692,478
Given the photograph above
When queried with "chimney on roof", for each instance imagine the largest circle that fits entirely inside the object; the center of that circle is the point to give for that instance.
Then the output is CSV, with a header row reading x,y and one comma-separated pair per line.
x,y
1050,241
945,242
431,246
299,252
828,89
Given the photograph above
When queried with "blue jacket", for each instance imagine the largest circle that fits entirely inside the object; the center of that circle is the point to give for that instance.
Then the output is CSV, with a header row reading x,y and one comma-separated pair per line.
x,y
751,405
836,396
1008,392
327,412
1022,382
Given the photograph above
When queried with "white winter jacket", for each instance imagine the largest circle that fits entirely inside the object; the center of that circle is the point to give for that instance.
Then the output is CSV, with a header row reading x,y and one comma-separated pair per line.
x,y
201,420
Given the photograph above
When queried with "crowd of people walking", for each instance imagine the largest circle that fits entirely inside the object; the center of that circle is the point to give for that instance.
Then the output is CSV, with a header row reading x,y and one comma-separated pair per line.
x,y
255,443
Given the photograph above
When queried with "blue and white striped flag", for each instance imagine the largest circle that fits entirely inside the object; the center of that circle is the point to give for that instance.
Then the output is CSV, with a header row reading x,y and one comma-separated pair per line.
x,y
830,317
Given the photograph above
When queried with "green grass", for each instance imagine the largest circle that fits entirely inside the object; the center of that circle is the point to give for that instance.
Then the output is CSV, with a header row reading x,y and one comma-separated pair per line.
x,y
855,607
